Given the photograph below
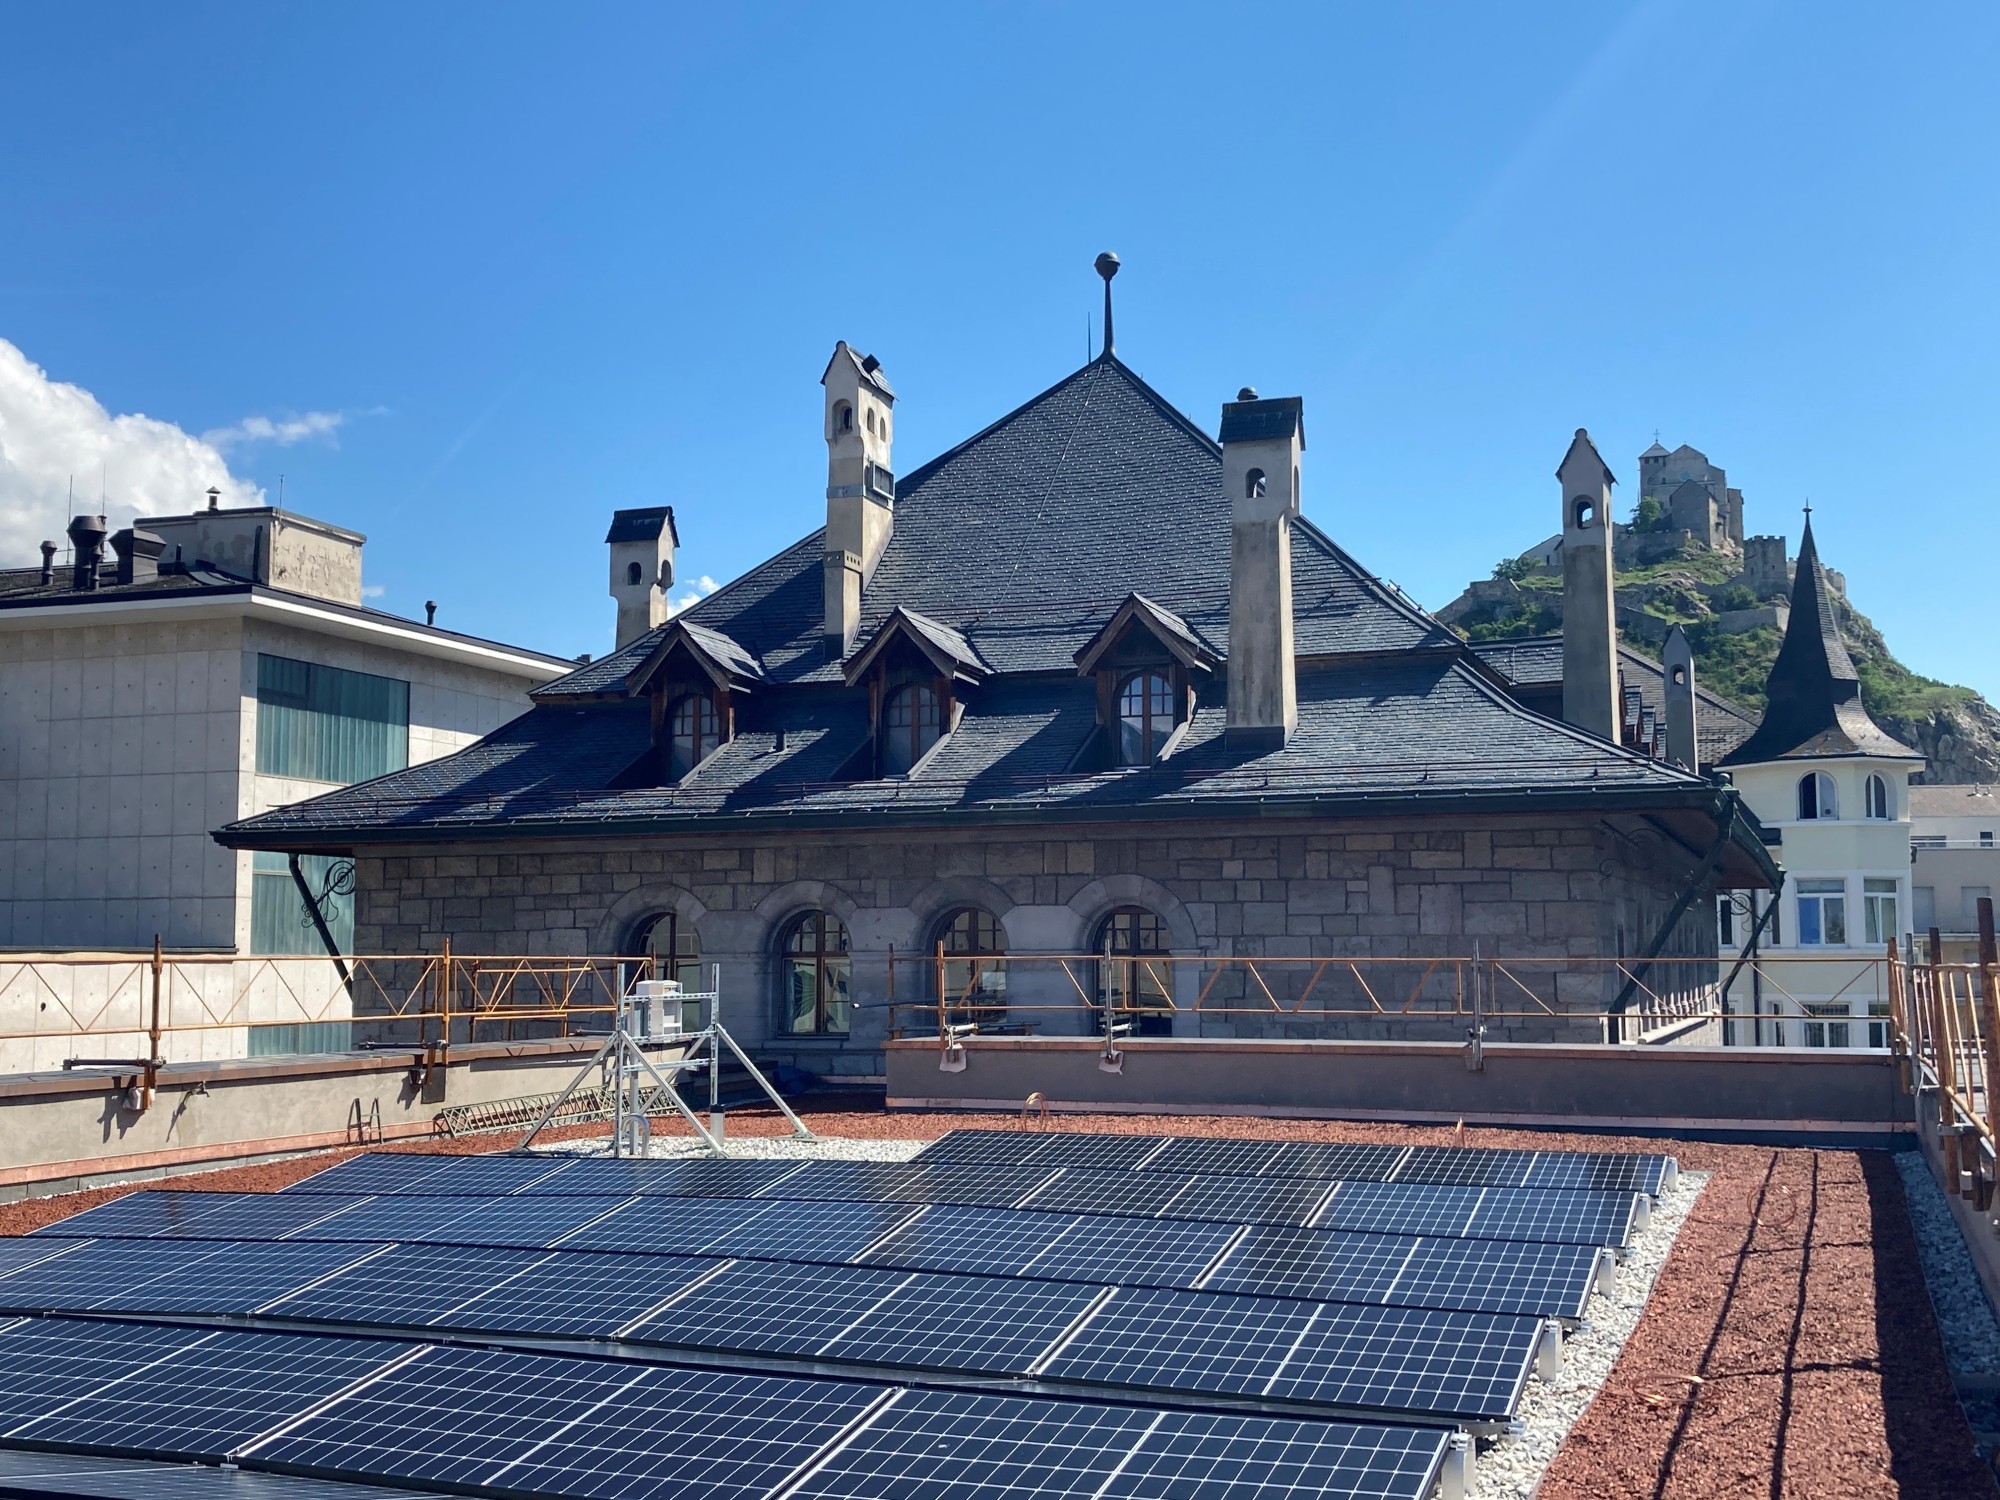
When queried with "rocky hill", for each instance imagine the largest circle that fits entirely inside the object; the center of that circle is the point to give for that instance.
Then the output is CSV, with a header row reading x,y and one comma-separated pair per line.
x,y
1735,635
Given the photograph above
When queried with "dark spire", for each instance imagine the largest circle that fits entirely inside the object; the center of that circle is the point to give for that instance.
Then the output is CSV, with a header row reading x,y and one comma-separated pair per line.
x,y
1813,695
1107,267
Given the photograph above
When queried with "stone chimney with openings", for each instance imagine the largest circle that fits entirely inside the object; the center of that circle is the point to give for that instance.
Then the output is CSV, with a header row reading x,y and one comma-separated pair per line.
x,y
1261,445
642,544
1683,746
860,486
1590,629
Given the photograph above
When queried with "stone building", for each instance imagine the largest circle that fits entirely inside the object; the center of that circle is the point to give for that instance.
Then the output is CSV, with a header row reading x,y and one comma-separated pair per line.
x,y
1088,683
216,665
1694,496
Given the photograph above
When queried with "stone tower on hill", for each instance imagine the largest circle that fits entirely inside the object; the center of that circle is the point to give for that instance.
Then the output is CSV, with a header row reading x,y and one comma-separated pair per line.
x,y
1693,496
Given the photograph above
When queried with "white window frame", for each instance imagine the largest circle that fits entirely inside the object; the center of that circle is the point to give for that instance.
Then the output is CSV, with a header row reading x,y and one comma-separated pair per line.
x,y
1815,894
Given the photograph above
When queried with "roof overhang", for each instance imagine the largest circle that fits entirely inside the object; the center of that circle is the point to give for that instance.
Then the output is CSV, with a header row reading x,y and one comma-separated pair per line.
x,y
943,647
727,663
323,617
1166,627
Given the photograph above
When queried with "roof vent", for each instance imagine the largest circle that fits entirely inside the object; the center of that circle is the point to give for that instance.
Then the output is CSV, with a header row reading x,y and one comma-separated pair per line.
x,y
86,535
48,563
138,554
1248,393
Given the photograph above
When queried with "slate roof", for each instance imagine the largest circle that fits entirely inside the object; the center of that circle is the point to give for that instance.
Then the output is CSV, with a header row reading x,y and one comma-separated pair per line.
x,y
555,769
1016,548
1027,536
1813,695
1535,662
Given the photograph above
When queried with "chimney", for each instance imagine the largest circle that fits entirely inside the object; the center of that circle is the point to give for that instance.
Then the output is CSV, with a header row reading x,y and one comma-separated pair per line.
x,y
1261,444
214,498
860,486
1683,749
642,546
86,535
49,550
1590,639
138,554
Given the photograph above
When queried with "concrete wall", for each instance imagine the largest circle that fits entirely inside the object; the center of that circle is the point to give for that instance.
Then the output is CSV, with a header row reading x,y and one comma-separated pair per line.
x,y
66,1131
123,746
1563,887
1709,1088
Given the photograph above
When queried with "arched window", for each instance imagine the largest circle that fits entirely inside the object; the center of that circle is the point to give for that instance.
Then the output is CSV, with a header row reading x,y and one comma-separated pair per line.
x,y
871,421
1129,978
634,574
1878,797
1817,799
814,969
843,418
910,726
676,954
1145,718
973,968
1253,484
1585,510
694,730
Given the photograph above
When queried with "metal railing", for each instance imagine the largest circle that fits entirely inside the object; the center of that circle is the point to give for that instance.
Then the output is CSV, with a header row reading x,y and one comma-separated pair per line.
x,y
139,1012
1946,1020
1760,1001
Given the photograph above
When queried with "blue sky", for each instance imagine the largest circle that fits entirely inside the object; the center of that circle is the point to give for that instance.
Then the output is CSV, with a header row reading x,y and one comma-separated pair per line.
x,y
470,278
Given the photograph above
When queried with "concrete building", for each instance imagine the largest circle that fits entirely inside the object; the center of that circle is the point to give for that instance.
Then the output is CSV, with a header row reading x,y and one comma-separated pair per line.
x,y
219,664
1955,839
1088,683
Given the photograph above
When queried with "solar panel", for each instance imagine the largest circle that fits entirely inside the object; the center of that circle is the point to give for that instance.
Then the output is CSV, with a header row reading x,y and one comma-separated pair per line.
x,y
1400,1208
393,1216
1468,1275
769,1307
93,1475
813,1231
1600,1171
231,1278
1130,1252
1186,1341
910,1182
971,1447
531,1423
983,1241
1103,1152
141,1215
1213,1157
526,1221
998,1148
372,1172
1465,1166
1140,1194
1349,1161
405,1286
1572,1217
254,1216
45,1363
1262,1458
1250,1200
964,1323
16,1254
1469,1367
577,1294
219,1391
669,1226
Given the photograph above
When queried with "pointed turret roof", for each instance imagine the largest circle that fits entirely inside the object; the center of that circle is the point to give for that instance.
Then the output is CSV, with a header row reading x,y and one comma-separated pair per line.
x,y
1656,451
1813,695
1581,447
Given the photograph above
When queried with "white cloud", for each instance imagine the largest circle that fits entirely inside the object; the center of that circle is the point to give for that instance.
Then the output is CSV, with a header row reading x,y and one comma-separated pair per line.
x,y
693,591
284,431
51,432
372,591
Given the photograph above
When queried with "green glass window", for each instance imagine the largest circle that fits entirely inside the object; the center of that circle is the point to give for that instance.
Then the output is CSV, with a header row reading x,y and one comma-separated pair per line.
x,y
278,919
327,724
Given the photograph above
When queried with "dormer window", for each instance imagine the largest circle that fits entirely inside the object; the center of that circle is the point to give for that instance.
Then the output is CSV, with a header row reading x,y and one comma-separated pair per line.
x,y
910,726
1147,662
1145,718
694,731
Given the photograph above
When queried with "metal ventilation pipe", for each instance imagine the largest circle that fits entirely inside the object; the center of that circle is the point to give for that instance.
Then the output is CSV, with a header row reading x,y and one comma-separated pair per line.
x,y
49,550
86,535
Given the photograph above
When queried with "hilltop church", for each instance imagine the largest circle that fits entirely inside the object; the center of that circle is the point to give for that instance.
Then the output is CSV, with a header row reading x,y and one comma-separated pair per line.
x,y
1087,683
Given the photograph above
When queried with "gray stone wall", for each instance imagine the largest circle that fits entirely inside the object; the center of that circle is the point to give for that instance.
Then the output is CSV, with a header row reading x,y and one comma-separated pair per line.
x,y
1299,892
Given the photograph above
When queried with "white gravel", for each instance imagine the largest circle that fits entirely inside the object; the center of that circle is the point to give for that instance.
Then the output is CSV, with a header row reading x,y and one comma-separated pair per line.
x,y
1513,1466
1965,1317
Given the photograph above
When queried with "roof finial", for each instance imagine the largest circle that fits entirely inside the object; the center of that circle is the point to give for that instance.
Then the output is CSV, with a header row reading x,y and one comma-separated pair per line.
x,y
1809,512
1107,267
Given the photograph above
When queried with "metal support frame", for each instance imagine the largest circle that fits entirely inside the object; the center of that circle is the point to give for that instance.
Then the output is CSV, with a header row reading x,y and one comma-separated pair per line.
x,y
1711,861
640,1088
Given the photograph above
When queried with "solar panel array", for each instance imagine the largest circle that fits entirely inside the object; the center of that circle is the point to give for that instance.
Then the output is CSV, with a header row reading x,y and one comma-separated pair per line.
x,y
1013,1315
